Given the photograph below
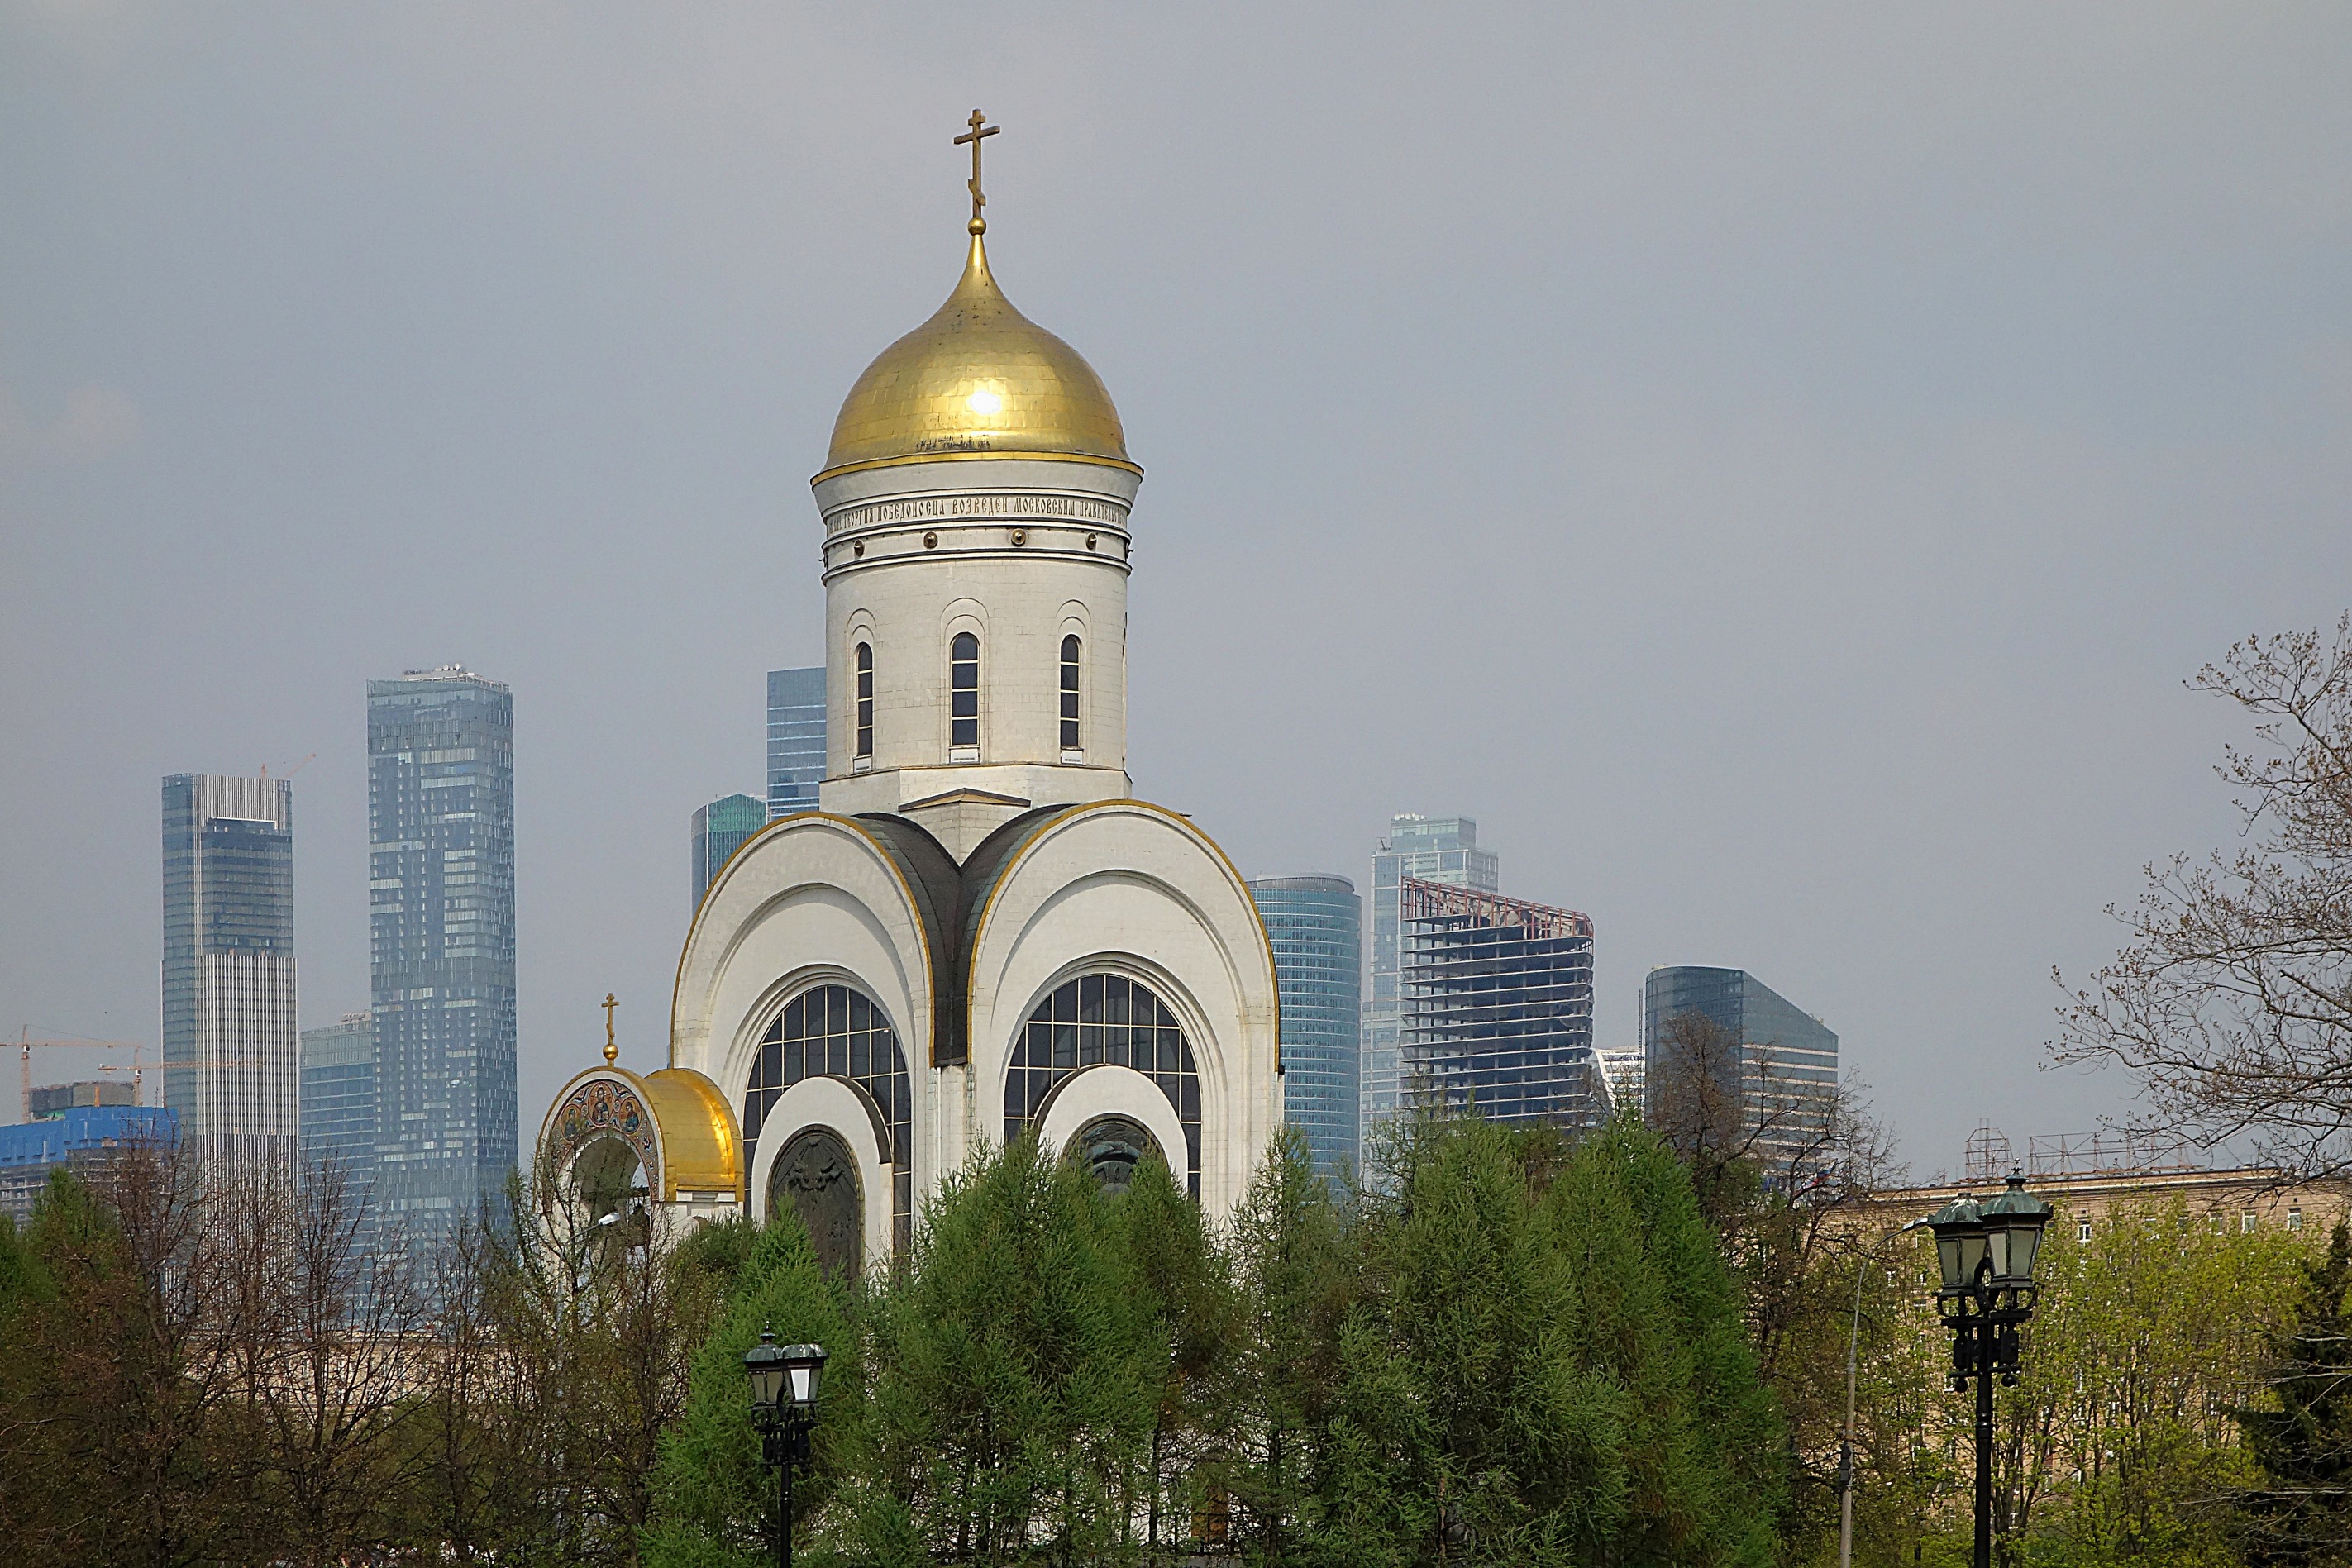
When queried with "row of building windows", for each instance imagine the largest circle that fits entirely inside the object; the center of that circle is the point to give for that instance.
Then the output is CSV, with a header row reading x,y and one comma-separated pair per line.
x,y
963,697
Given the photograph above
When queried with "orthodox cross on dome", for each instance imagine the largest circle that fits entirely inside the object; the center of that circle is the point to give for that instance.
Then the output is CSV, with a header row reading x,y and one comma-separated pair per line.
x,y
611,1050
980,129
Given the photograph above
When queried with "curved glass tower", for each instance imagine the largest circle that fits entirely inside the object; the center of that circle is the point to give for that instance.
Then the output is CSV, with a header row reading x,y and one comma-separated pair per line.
x,y
1316,926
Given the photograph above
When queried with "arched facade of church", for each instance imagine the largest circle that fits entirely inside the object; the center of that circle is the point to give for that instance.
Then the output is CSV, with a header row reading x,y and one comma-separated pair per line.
x,y
982,933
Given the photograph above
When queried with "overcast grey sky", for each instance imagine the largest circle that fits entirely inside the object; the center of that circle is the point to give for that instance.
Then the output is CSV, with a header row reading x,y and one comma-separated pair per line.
x,y
1772,465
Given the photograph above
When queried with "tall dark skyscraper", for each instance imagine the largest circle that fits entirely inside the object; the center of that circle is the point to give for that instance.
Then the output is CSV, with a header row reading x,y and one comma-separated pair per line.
x,y
1496,1007
1779,1063
230,1048
795,738
1316,925
441,943
720,830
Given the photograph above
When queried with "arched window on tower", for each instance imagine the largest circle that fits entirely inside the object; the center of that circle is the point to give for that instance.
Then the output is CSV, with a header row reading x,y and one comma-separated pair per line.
x,y
1070,698
963,697
864,705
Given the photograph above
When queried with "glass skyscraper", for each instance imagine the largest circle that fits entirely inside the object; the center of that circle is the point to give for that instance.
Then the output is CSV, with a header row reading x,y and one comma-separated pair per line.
x,y
441,944
1783,1068
720,830
1496,1008
1428,849
795,740
230,1051
1316,925
339,1096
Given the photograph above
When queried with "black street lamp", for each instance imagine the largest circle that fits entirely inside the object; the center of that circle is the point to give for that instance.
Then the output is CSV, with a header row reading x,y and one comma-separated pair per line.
x,y
1985,1252
784,1379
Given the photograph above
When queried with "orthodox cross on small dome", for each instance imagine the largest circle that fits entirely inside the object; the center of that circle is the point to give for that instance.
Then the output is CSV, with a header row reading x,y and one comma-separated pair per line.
x,y
980,129
611,1051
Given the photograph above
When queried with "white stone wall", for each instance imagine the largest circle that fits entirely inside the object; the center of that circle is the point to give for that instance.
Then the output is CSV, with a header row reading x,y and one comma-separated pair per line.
x,y
1019,551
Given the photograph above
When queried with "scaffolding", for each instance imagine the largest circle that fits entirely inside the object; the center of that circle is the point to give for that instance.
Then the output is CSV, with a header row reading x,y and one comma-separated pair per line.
x,y
1496,1008
2110,1152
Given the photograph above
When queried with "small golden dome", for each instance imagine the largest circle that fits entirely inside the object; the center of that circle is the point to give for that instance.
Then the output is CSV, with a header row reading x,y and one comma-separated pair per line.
x,y
978,378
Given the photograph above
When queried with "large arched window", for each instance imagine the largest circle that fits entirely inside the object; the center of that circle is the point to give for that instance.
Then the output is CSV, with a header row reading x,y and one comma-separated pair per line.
x,y
1097,1019
1070,693
963,692
866,702
832,1031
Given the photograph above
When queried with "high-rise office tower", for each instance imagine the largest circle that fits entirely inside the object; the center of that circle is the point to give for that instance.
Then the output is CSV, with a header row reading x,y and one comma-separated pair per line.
x,y
720,830
1496,1015
1316,925
339,1096
1757,1050
1428,849
229,1036
795,740
441,943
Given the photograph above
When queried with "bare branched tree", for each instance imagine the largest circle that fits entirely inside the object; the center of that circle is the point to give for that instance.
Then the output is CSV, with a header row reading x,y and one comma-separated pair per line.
x,y
2232,1000
1784,1170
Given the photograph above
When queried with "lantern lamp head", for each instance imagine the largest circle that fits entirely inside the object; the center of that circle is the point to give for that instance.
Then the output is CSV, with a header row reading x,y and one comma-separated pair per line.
x,y
764,1364
2013,1223
1961,1247
804,1371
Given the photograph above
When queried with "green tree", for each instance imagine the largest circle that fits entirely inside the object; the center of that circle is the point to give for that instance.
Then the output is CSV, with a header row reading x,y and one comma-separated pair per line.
x,y
714,1500
1294,1257
1016,1377
2301,1513
1547,1363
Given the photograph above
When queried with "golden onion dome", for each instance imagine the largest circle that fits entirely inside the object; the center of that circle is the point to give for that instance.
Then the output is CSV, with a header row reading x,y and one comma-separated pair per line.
x,y
978,378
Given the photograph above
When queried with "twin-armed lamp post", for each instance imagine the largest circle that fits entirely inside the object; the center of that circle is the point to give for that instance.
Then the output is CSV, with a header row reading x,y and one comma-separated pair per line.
x,y
784,1379
1985,1252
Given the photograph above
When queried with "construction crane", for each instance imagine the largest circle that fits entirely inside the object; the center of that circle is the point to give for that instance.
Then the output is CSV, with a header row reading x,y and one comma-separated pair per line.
x,y
26,1045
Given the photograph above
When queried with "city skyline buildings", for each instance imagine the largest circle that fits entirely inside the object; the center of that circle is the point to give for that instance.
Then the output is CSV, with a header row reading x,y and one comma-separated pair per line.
x,y
339,1096
1442,849
717,831
1782,1065
1316,925
1496,1008
230,1043
441,915
795,740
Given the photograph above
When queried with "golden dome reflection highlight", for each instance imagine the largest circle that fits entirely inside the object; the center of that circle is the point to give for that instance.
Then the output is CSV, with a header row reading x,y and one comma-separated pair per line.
x,y
977,379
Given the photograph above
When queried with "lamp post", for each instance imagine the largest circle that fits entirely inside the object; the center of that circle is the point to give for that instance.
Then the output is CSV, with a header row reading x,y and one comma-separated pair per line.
x,y
1985,1253
784,1379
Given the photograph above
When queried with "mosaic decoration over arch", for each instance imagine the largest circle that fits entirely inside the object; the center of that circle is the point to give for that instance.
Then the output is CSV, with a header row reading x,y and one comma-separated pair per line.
x,y
603,1107
832,1031
1100,1019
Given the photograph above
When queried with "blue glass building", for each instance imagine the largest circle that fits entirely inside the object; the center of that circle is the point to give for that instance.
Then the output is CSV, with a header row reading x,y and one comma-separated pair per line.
x,y
795,740
1428,849
441,944
338,1095
720,830
230,1036
1496,1015
1783,1068
1316,925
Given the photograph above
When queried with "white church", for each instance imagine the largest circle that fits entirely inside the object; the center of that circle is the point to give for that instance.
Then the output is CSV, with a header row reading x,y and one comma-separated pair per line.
x,y
982,932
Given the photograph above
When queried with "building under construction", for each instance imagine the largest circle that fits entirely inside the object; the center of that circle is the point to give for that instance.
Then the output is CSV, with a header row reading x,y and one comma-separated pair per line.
x,y
1496,1007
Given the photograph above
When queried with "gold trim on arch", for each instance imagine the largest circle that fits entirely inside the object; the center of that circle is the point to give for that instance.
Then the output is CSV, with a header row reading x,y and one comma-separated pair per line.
x,y
873,845
1005,874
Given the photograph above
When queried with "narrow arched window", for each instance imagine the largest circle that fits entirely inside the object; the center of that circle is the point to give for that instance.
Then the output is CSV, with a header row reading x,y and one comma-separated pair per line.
x,y
865,700
964,690
1070,693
